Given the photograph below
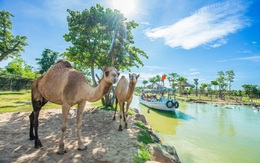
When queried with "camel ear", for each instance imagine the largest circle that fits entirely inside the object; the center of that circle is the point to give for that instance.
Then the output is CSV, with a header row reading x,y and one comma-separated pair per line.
x,y
104,68
137,76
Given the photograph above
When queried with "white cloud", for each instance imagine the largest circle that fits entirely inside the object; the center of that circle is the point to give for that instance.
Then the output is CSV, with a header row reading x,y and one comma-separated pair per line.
x,y
209,25
251,58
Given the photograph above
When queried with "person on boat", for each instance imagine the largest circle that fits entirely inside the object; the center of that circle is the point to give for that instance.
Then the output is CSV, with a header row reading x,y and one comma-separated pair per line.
x,y
162,97
154,98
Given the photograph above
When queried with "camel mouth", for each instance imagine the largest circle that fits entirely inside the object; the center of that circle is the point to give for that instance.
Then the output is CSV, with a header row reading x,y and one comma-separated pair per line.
x,y
114,81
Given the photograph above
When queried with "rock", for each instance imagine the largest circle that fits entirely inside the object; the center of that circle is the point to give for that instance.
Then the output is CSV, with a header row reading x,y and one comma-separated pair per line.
x,y
163,153
135,110
154,137
140,117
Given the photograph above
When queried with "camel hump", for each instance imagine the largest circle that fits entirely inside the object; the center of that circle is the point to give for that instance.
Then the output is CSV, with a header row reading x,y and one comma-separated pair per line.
x,y
64,63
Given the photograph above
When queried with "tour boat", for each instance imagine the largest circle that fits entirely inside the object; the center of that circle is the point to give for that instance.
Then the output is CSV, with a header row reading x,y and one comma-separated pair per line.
x,y
165,104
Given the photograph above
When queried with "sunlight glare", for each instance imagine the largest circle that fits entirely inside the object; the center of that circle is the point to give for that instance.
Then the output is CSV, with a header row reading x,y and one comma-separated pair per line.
x,y
126,7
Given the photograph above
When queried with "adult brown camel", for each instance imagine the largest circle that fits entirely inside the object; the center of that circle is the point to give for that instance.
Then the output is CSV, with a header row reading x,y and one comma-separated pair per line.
x,y
63,85
124,93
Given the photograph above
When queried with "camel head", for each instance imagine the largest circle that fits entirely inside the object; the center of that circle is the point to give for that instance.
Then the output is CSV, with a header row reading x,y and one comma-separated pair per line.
x,y
133,78
110,74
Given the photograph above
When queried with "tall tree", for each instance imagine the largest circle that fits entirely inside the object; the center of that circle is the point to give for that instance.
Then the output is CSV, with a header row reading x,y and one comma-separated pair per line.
x,y
10,45
48,59
196,83
214,83
172,78
230,78
202,88
181,83
221,83
101,37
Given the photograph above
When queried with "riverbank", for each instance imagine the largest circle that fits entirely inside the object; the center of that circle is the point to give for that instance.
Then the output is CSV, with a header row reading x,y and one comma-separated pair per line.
x,y
214,101
99,132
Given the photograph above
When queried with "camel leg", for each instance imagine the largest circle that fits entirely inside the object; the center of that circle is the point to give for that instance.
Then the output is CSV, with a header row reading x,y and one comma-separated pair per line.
x,y
65,112
114,117
80,110
34,122
31,135
121,104
126,114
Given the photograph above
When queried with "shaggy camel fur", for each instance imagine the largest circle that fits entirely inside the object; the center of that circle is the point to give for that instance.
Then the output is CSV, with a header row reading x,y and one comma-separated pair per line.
x,y
66,86
124,93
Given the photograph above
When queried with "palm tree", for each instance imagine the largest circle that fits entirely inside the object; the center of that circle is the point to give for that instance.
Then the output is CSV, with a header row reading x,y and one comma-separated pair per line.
x,y
144,82
172,79
196,85
215,84
182,83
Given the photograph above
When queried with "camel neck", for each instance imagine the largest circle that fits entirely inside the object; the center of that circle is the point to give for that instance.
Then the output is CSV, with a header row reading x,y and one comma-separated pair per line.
x,y
96,93
130,90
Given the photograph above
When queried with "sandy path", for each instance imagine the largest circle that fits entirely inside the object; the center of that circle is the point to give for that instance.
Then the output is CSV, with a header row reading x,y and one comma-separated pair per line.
x,y
99,132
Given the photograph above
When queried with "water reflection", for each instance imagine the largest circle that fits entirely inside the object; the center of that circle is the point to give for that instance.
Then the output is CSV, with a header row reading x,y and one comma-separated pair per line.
x,y
208,132
164,122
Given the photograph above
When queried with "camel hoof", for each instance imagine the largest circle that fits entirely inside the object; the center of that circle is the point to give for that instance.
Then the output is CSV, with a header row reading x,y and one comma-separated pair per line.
x,y
114,118
120,128
62,152
38,144
82,149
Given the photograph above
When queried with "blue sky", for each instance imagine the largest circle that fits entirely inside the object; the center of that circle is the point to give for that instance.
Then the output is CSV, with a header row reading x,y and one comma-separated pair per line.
x,y
195,39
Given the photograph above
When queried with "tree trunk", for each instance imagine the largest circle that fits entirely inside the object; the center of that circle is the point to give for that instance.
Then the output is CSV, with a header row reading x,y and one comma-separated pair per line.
x,y
93,74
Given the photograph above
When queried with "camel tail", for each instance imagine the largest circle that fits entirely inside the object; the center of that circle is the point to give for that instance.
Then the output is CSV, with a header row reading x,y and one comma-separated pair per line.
x,y
35,93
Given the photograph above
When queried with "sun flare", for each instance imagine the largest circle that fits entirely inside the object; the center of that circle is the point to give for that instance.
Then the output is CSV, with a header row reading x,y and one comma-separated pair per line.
x,y
127,7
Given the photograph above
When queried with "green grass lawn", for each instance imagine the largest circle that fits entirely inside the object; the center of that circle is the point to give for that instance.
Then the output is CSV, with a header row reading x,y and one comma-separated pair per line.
x,y
19,102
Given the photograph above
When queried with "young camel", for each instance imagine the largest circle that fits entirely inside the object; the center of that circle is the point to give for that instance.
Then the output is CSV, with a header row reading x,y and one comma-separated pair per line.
x,y
66,86
124,93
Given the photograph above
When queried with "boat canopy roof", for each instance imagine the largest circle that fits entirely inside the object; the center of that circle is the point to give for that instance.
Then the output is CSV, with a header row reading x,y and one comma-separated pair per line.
x,y
163,90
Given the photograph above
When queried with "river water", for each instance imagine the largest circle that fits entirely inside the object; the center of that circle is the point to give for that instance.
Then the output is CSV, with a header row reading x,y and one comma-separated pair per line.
x,y
208,133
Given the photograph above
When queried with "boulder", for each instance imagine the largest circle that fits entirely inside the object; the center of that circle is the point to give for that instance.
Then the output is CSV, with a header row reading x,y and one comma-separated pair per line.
x,y
140,117
163,153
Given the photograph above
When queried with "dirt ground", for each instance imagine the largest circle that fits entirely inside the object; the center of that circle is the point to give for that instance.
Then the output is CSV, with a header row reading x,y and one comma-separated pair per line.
x,y
105,144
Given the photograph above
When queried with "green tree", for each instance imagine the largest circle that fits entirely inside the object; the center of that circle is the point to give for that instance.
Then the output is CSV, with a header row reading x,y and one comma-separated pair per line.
x,y
144,82
214,83
101,37
48,59
230,78
20,68
10,45
172,78
182,81
251,90
202,88
196,83
153,80
222,84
